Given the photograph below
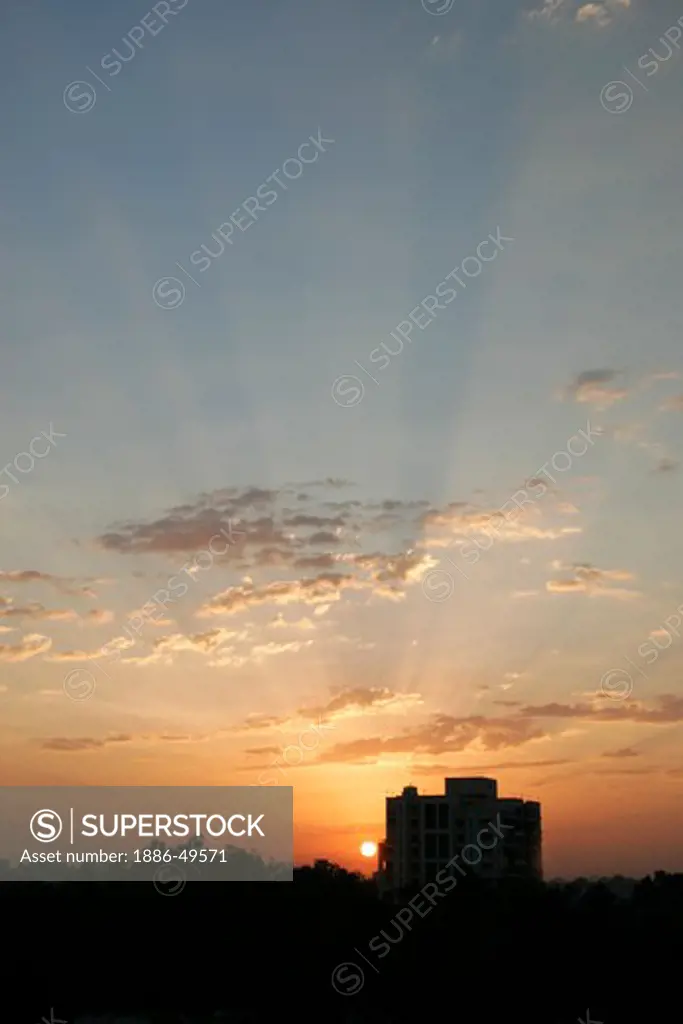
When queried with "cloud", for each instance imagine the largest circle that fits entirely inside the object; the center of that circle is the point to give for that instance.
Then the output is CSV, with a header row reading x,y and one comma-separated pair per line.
x,y
258,523
36,611
665,465
260,723
548,11
384,572
261,651
674,404
304,624
30,646
286,528
587,579
210,643
602,13
74,655
63,745
623,752
202,643
590,387
596,11
83,744
64,584
98,617
362,701
441,734
670,710
350,703
521,523
446,770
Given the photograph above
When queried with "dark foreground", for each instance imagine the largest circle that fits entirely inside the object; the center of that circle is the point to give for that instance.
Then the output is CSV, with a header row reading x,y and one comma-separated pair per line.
x,y
271,952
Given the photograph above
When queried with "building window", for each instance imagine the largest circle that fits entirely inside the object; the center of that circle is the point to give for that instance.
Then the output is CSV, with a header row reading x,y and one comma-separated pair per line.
x,y
430,816
431,847
443,847
443,817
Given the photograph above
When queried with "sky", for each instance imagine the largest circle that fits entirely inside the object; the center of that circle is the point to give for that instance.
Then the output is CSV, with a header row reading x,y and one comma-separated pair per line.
x,y
390,461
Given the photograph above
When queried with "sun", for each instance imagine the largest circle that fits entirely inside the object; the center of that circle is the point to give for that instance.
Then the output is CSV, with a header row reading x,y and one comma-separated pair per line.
x,y
368,848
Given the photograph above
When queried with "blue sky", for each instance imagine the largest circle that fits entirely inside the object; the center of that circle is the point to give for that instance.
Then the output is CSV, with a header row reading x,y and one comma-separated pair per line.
x,y
446,128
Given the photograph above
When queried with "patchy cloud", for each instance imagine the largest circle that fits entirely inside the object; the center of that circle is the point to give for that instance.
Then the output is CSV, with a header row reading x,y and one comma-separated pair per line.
x,y
587,579
673,404
484,769
72,655
665,465
591,387
304,624
548,11
8,610
30,646
350,703
63,745
441,734
600,13
669,710
64,584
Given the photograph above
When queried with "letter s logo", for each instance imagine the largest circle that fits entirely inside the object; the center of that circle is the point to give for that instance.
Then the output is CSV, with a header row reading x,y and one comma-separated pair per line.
x,y
46,826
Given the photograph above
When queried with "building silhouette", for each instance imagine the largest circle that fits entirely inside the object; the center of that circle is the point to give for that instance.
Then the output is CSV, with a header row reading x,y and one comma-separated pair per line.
x,y
424,832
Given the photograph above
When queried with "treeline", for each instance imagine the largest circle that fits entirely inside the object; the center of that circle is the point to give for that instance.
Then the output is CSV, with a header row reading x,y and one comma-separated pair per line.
x,y
512,951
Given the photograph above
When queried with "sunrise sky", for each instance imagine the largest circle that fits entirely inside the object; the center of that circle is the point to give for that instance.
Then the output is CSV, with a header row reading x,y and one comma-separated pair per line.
x,y
350,591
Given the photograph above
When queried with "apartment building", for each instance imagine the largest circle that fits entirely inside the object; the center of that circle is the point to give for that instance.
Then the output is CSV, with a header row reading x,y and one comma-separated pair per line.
x,y
424,832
